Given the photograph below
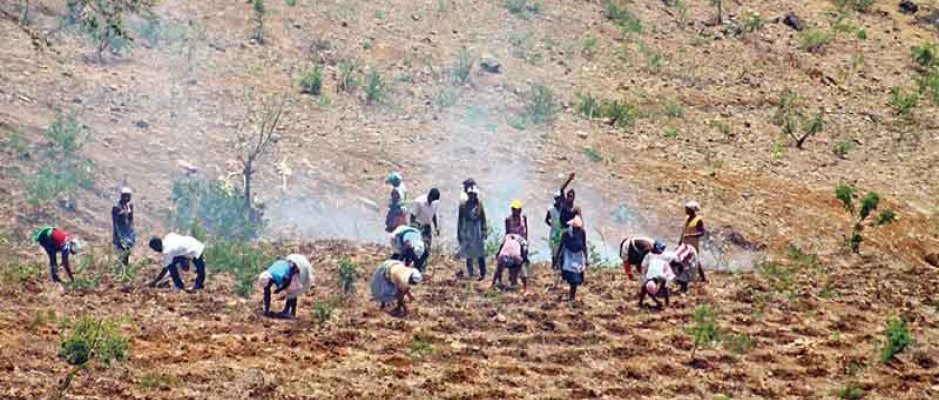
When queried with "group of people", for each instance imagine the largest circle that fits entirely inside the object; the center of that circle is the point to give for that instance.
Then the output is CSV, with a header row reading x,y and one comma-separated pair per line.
x,y
412,227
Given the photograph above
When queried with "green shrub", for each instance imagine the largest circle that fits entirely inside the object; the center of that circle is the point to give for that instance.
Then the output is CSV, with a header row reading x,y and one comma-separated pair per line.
x,y
794,119
446,98
902,104
102,21
886,217
622,115
861,34
348,273
815,40
590,45
291,3
259,12
86,340
898,339
842,148
755,22
653,59
52,182
523,8
420,350
348,77
66,136
588,107
311,82
323,311
846,193
592,154
924,55
15,272
16,144
540,106
463,66
703,331
739,344
376,88
850,391
674,110
869,203
617,12
215,209
84,283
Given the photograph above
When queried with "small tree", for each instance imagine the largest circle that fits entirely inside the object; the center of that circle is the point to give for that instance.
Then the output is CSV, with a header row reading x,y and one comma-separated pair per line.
x,y
898,339
846,194
87,341
348,273
259,11
795,120
704,331
103,21
257,138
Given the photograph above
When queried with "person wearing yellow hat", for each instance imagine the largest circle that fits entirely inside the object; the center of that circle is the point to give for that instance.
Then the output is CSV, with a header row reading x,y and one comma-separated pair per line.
x,y
517,222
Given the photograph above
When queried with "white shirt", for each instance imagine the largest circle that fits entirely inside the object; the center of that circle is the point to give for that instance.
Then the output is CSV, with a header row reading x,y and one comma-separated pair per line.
x,y
180,246
658,265
424,213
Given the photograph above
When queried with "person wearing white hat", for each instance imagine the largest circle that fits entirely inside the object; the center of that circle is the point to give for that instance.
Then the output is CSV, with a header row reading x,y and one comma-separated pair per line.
x,y
123,235
693,229
292,274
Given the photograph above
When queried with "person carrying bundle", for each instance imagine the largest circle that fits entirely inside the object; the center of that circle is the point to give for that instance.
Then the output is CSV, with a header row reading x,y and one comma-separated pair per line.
x,y
392,281
178,251
56,241
293,274
513,256
632,251
408,246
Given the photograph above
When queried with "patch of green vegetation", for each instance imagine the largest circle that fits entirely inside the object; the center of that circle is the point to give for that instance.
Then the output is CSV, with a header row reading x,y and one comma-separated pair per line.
x,y
617,11
86,340
622,115
420,350
671,133
898,338
653,58
861,34
16,144
886,217
755,21
311,82
589,47
924,55
592,154
540,105
21,273
674,110
854,5
589,106
703,330
523,8
376,88
348,273
463,66
66,170
795,120
102,22
348,77
721,126
446,98
323,311
215,209
815,40
842,148
846,193
291,3
902,103
519,122
739,344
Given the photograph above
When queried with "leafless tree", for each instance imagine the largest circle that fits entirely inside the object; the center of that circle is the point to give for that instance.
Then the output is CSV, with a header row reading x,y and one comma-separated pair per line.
x,y
258,137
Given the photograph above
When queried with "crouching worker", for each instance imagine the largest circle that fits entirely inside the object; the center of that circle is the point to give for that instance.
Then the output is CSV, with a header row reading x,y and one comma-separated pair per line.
x,y
513,256
632,251
56,241
178,251
687,265
293,275
408,245
392,282
656,273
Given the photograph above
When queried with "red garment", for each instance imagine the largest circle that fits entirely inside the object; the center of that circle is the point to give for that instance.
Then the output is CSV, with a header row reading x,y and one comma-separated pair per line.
x,y
59,238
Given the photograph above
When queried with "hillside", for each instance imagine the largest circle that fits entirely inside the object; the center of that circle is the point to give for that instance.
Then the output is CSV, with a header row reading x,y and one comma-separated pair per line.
x,y
686,109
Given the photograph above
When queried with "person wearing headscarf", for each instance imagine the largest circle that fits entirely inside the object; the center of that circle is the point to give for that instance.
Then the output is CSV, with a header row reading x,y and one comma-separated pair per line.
x,y
178,251
656,273
424,218
573,255
693,229
472,229
392,281
408,246
632,251
512,256
397,211
123,235
292,274
56,241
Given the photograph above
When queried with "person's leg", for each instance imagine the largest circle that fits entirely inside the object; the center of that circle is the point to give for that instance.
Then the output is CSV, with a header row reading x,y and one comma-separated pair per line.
x,y
200,273
701,273
174,274
469,267
497,276
53,269
513,275
482,267
573,292
267,299
290,308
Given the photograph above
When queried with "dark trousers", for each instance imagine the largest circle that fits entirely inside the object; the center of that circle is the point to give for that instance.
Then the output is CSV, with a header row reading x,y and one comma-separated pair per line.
x,y
183,262
482,266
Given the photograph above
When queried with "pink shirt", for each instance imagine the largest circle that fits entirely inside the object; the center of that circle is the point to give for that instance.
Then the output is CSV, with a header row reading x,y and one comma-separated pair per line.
x,y
511,248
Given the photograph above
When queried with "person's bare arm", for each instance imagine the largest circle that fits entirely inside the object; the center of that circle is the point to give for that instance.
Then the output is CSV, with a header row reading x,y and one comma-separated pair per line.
x,y
66,265
436,226
525,224
547,218
570,178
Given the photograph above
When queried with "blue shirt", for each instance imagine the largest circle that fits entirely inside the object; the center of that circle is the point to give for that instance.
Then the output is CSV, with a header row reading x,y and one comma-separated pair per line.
x,y
279,271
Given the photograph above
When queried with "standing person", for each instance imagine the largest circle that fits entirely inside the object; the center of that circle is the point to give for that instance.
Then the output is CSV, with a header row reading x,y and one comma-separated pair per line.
x,y
472,229
553,220
56,241
408,246
632,251
517,222
693,229
392,281
424,218
123,235
293,274
178,251
687,261
568,209
573,255
513,256
397,212
656,273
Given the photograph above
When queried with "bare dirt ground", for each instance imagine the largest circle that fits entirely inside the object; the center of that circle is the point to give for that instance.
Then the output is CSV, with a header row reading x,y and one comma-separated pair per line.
x,y
183,100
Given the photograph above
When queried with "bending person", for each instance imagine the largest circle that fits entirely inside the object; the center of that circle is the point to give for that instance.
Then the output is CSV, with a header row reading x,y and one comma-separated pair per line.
x,y
178,251
56,241
392,282
293,275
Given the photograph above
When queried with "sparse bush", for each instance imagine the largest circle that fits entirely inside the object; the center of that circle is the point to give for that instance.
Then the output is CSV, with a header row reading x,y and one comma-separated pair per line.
x,y
16,144
898,339
67,170
886,217
420,350
259,11
463,66
376,88
846,193
523,8
850,391
794,119
311,82
446,98
622,115
653,58
540,105
861,34
924,55
348,273
103,21
590,45
902,104
215,208
842,148
703,331
66,135
588,107
84,284
854,5
348,77
15,272
815,40
739,344
592,154
755,21
617,12
88,340
323,311
291,3
674,110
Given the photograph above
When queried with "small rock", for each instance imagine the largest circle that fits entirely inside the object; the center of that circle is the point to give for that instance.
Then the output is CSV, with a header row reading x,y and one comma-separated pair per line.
x,y
793,21
490,64
142,124
500,318
933,259
583,134
908,7
187,166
